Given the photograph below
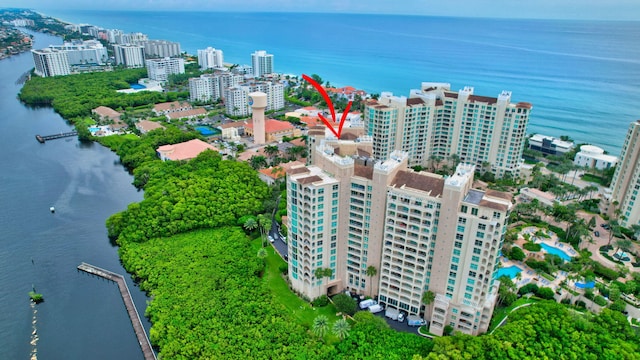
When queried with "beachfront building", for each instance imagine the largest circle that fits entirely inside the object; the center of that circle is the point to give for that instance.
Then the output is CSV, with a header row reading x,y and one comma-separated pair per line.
x,y
594,157
237,97
210,58
51,62
262,63
421,232
161,48
549,145
211,87
437,123
625,185
131,56
83,52
160,69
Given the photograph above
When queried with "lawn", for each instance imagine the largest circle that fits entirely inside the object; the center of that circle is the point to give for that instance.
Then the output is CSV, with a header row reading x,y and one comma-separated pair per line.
x,y
500,313
594,179
301,310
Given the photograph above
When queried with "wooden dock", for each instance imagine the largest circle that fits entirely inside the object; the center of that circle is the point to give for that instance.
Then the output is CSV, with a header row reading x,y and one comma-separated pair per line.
x,y
41,139
143,340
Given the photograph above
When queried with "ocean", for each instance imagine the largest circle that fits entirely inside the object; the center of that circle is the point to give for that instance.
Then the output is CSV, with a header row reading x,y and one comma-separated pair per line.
x,y
582,77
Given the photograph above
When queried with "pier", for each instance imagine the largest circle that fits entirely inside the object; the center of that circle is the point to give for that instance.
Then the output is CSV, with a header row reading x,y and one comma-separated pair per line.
x,y
143,340
42,138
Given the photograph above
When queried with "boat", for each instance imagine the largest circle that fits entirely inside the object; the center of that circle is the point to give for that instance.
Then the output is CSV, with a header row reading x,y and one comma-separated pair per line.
x,y
52,209
40,139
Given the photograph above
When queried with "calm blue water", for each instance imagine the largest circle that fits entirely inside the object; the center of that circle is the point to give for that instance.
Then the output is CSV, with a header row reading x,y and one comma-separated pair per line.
x,y
510,271
589,285
583,77
138,86
555,251
82,317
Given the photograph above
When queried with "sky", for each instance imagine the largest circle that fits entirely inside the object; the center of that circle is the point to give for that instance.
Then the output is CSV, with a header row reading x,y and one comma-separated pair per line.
x,y
539,9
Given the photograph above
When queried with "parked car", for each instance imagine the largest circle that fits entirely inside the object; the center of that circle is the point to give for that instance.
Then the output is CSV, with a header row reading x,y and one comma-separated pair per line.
x,y
596,233
271,238
366,303
413,320
376,308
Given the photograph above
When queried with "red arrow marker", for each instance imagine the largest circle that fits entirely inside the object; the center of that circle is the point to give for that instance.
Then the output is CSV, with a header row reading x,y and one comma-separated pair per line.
x,y
332,109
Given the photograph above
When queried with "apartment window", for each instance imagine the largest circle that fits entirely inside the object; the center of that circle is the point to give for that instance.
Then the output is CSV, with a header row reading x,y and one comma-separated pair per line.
x,y
320,191
458,244
455,260
335,187
459,236
482,227
474,211
451,281
472,274
452,274
480,235
478,243
476,251
463,209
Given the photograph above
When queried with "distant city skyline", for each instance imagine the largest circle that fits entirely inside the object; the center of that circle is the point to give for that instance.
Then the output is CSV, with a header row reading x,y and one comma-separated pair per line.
x,y
541,9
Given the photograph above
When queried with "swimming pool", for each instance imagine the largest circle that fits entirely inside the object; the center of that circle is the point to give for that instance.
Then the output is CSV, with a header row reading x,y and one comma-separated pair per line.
x,y
510,271
94,129
555,251
137,86
589,285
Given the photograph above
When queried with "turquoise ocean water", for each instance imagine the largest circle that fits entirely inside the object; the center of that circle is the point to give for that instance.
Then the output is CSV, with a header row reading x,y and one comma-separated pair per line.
x,y
583,77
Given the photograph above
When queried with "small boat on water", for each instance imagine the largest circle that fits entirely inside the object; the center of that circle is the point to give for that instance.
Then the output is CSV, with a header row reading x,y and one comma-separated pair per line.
x,y
40,139
52,209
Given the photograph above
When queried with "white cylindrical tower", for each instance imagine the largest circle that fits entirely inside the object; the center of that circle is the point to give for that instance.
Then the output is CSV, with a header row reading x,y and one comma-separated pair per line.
x,y
258,102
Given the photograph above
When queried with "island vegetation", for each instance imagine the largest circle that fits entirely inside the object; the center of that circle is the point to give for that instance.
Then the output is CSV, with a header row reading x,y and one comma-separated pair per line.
x,y
36,297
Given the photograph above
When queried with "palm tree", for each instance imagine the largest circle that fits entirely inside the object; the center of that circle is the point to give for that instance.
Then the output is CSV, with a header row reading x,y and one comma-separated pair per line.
x,y
264,223
321,273
428,297
371,272
271,151
341,328
251,224
320,326
262,253
623,244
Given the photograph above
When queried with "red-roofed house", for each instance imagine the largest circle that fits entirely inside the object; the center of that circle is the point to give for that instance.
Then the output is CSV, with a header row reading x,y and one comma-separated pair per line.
x,y
311,121
183,151
169,107
275,130
144,126
189,114
106,113
275,173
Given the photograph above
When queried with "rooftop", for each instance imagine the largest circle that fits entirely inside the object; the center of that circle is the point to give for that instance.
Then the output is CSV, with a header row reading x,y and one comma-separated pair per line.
x,y
185,150
272,126
430,183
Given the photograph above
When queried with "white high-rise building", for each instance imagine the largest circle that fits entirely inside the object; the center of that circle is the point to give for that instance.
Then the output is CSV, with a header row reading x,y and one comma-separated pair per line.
x,y
160,69
436,123
262,63
625,185
205,88
420,231
161,48
131,56
83,52
210,58
51,62
236,98
211,87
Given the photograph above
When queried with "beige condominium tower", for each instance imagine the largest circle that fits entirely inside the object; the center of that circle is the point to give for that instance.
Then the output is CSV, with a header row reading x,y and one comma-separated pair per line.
x,y
421,232
435,124
626,179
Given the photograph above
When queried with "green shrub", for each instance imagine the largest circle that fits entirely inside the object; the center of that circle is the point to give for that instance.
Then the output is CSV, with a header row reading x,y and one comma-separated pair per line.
x,y
532,246
320,301
600,300
529,288
284,268
545,293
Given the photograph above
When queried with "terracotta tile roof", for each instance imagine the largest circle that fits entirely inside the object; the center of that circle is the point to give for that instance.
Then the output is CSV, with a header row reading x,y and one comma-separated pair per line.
x,y
273,126
493,205
298,170
105,111
298,142
484,99
274,173
184,151
451,94
235,124
311,120
419,181
415,101
146,125
525,105
363,171
309,179
187,113
499,194
171,105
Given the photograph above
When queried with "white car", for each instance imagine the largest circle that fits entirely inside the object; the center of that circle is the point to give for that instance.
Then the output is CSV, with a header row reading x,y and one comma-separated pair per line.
x,y
376,308
271,238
